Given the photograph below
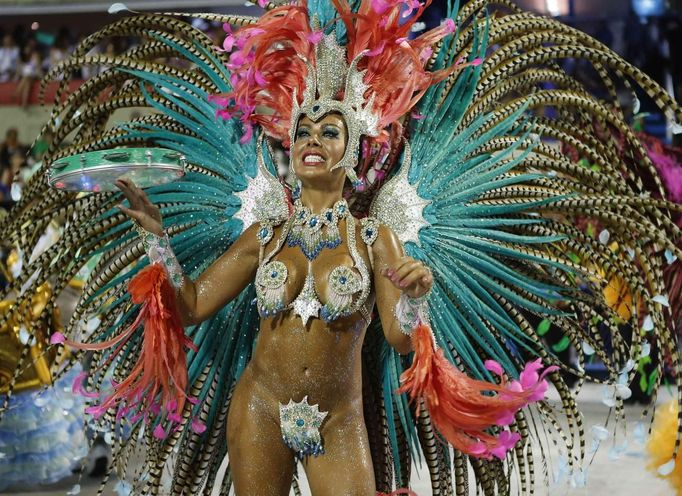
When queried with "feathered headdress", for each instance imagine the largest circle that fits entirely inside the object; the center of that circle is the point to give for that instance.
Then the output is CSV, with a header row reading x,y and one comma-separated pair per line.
x,y
286,65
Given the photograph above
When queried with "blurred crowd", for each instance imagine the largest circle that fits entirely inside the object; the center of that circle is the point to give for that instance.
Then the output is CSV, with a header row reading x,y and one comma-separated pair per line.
x,y
18,161
653,44
27,55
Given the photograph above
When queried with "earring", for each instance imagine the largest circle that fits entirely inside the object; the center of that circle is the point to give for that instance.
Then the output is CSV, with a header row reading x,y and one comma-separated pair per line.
x,y
293,181
296,192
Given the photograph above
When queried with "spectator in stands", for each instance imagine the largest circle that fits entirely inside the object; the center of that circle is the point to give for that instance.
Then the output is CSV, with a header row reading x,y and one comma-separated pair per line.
x,y
57,52
673,33
12,177
109,51
6,175
20,171
9,57
30,71
10,147
604,33
5,185
86,71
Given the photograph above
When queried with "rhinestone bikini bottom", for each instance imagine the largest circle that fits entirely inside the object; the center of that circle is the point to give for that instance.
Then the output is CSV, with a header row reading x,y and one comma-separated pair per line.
x,y
300,424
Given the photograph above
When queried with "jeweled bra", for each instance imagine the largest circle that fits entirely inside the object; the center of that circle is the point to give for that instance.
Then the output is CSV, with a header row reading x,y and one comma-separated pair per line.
x,y
313,233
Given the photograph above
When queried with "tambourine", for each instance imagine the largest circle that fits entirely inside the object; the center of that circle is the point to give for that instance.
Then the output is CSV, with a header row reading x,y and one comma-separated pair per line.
x,y
97,171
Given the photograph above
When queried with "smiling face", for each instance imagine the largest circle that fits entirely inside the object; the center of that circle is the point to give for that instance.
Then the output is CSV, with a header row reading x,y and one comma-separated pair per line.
x,y
318,147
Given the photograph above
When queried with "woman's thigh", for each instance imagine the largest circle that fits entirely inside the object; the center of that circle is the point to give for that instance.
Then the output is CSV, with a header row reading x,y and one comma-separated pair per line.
x,y
260,462
345,469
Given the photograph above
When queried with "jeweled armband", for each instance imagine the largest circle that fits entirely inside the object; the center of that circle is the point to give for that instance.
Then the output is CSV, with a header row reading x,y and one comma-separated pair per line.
x,y
411,312
159,251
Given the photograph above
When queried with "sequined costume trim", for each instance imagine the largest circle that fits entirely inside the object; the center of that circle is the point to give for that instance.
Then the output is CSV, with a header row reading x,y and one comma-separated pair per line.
x,y
159,251
410,312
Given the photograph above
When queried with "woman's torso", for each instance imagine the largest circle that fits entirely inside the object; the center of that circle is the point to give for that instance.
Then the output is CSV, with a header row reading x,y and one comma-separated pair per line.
x,y
319,359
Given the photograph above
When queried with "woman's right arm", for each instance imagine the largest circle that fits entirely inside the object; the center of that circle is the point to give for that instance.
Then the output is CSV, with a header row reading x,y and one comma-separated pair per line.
x,y
220,282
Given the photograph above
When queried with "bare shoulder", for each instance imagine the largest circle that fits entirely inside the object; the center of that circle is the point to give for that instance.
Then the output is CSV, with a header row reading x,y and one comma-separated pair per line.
x,y
387,245
249,240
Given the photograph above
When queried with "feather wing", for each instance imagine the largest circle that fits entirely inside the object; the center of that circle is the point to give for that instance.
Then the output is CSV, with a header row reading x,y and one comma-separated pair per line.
x,y
169,76
490,196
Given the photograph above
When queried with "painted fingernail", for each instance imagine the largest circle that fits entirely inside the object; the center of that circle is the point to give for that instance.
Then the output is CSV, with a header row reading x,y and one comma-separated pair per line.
x,y
403,284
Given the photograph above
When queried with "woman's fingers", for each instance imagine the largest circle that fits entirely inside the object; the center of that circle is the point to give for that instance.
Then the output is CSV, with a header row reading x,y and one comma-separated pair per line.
x,y
141,195
130,194
418,284
414,285
146,200
151,209
390,272
406,269
137,193
147,222
138,199
141,209
134,214
147,205
411,276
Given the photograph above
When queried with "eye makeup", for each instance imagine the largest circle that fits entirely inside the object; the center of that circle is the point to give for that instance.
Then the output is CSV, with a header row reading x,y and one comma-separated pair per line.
x,y
302,132
331,131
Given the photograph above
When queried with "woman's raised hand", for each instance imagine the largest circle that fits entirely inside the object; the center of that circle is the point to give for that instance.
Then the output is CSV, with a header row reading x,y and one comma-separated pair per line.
x,y
410,276
141,209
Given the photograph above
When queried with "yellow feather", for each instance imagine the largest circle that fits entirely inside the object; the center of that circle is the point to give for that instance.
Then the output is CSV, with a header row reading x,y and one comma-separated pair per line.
x,y
661,444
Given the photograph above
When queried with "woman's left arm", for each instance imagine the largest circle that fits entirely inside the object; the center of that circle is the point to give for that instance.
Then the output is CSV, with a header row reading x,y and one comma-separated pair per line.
x,y
396,275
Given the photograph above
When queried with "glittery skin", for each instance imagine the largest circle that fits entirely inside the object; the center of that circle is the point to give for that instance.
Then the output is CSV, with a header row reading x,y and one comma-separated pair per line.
x,y
320,360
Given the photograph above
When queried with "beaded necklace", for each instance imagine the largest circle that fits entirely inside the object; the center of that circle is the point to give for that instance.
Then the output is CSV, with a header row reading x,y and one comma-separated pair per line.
x,y
314,232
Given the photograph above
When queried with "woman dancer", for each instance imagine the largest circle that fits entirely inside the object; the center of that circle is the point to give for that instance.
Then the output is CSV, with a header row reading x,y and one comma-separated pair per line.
x,y
443,148
299,355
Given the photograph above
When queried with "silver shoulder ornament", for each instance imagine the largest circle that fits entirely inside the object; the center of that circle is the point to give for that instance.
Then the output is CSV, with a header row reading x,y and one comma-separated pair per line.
x,y
264,200
398,206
